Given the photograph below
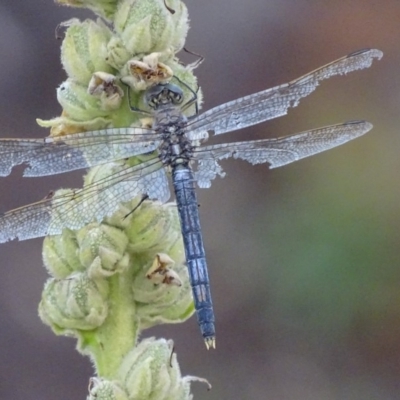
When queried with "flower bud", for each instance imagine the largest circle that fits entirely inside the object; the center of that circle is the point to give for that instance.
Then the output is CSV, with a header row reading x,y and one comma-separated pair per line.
x,y
101,389
77,102
84,49
151,371
103,8
118,54
147,73
161,271
103,86
76,303
146,26
102,249
169,301
60,255
154,226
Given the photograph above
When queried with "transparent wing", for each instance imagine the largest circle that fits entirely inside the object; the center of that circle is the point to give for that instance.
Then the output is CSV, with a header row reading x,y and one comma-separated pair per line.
x,y
274,102
278,151
76,208
54,155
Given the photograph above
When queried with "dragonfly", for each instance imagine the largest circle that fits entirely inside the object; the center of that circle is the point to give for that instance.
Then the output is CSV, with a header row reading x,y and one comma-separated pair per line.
x,y
172,146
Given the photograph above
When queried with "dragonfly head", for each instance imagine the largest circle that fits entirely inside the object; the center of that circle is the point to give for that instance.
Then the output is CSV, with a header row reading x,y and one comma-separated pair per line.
x,y
163,94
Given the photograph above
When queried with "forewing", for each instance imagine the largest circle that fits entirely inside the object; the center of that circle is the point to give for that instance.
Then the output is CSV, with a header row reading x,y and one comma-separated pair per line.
x,y
54,155
75,208
274,102
278,151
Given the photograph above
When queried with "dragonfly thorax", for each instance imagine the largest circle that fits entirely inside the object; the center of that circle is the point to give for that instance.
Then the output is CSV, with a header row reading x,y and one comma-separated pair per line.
x,y
176,148
165,99
168,118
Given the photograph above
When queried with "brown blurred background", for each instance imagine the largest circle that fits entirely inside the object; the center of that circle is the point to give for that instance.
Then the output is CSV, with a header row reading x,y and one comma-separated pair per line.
x,y
304,260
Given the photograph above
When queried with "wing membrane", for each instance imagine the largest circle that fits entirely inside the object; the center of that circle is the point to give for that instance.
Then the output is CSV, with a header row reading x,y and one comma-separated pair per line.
x,y
274,102
75,208
54,155
278,151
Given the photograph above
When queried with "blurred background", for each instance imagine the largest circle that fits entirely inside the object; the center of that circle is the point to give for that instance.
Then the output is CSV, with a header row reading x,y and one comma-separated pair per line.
x,y
304,260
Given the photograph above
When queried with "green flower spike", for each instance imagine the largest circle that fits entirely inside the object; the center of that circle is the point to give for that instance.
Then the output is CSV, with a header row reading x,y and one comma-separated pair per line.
x,y
119,275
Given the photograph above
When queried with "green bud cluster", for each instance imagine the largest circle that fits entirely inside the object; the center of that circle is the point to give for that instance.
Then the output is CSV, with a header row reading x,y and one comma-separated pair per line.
x,y
150,371
100,57
85,263
114,278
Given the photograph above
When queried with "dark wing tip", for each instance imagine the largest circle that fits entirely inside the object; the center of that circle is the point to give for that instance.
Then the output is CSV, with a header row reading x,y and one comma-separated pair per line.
x,y
375,53
367,125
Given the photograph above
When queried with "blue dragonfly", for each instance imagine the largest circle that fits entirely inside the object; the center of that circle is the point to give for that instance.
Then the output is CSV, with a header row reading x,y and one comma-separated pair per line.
x,y
172,145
